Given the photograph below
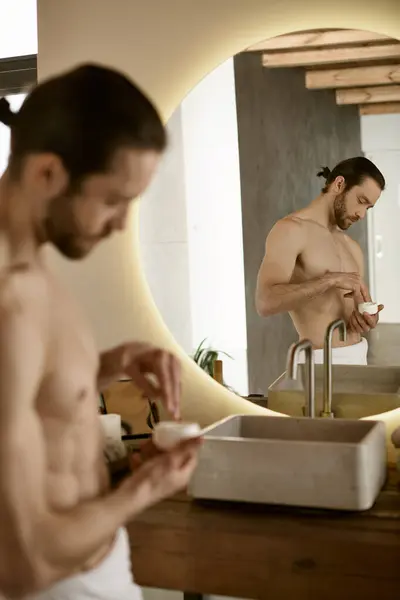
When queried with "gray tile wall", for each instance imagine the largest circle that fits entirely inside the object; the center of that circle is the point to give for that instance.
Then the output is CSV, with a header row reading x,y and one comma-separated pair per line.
x,y
286,133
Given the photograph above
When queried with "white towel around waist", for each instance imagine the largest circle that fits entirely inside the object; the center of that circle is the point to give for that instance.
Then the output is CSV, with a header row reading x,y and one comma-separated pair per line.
x,y
356,354
111,580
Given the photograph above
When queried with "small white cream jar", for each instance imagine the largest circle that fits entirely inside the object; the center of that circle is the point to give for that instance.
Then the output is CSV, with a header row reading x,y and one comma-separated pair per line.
x,y
168,434
371,308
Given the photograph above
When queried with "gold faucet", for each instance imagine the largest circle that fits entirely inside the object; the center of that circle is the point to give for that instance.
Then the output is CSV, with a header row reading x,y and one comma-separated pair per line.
x,y
327,396
291,370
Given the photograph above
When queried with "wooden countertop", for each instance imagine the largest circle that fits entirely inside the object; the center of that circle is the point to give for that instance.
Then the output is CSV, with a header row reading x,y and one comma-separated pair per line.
x,y
253,551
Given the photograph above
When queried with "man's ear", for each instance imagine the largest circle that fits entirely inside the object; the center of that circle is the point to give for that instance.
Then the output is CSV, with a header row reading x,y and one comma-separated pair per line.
x,y
339,184
45,175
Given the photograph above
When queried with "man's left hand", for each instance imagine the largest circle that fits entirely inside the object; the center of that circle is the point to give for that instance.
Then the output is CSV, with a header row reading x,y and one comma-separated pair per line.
x,y
362,323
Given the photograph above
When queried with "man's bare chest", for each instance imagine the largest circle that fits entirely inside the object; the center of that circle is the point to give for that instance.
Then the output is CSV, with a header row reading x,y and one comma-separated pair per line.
x,y
325,251
69,388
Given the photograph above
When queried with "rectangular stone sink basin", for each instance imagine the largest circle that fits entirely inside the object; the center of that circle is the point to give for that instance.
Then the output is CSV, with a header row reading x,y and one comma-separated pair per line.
x,y
358,391
322,463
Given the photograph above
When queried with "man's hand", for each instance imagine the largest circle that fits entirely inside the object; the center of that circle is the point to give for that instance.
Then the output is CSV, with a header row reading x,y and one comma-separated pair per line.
x,y
146,451
155,371
354,284
351,282
362,323
346,281
162,474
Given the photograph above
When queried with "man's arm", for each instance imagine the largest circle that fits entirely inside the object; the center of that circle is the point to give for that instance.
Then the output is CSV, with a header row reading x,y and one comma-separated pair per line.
x,y
275,293
38,545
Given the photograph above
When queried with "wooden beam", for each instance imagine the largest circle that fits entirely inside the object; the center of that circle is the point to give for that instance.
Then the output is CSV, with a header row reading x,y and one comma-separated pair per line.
x,y
309,58
353,77
386,108
369,95
319,39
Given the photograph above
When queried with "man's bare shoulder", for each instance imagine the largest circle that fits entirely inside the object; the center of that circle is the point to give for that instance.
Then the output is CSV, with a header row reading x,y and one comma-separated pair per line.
x,y
290,228
24,291
24,335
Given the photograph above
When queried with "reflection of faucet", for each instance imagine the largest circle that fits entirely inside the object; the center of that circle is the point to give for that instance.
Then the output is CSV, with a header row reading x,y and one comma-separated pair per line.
x,y
341,325
291,370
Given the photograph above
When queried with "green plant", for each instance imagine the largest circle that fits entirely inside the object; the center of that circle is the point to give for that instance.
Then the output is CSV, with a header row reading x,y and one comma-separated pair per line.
x,y
205,358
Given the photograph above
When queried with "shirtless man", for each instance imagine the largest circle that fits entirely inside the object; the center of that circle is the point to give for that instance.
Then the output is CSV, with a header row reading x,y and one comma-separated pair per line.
x,y
82,146
313,270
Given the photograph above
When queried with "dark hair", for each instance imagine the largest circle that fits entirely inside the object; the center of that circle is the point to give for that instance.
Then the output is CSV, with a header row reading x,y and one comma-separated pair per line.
x,y
6,115
83,116
354,171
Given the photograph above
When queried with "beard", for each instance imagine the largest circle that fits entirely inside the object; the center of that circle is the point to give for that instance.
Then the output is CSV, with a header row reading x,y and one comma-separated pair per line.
x,y
71,243
342,219
68,243
63,230
71,247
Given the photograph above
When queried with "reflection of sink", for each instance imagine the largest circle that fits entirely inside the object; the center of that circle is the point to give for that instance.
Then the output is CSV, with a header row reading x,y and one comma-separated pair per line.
x,y
327,463
358,391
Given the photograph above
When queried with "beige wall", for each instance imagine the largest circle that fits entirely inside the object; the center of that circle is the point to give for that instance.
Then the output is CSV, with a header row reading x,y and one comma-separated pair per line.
x,y
167,46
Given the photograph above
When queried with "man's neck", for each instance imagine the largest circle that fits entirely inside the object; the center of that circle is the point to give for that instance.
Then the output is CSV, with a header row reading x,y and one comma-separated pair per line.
x,y
18,228
321,209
